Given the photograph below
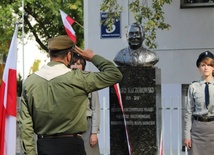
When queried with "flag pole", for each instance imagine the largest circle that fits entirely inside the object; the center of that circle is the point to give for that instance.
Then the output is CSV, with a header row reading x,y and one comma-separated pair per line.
x,y
23,62
79,24
23,55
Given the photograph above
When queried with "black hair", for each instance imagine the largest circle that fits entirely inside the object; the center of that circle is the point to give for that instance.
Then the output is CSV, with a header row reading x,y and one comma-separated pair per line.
x,y
77,57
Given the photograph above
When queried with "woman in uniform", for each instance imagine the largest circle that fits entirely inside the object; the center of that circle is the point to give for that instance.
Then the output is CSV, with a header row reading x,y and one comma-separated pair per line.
x,y
199,114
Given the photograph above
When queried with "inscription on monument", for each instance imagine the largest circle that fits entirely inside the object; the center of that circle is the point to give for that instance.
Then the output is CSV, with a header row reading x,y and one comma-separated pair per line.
x,y
138,93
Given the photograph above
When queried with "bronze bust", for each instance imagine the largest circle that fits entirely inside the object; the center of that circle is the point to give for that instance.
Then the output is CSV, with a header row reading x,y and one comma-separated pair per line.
x,y
135,54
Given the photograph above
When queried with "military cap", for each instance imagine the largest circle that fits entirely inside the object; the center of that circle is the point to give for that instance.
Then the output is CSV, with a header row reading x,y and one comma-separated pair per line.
x,y
60,43
204,55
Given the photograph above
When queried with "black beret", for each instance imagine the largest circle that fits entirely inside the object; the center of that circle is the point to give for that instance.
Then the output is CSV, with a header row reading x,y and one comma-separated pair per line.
x,y
204,55
59,43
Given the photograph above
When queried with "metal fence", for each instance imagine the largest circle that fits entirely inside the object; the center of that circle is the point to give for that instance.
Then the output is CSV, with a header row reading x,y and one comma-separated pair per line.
x,y
173,126
172,110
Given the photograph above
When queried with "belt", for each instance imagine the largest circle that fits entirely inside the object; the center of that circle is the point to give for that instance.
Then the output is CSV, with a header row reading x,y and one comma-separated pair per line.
x,y
203,118
59,135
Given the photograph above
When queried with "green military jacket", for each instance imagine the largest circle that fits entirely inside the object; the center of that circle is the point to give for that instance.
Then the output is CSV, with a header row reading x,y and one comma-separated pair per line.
x,y
54,99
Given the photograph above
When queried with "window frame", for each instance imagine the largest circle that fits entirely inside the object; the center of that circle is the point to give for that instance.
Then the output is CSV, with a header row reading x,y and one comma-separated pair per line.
x,y
195,5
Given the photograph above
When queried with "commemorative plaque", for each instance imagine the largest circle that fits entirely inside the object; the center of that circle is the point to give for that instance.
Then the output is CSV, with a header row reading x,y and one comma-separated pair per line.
x,y
135,125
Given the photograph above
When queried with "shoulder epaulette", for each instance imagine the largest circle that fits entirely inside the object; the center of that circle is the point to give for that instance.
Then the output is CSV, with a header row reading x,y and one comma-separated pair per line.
x,y
194,81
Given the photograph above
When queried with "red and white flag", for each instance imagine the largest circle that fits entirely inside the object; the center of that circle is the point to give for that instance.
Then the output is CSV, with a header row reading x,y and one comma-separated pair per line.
x,y
117,90
67,22
161,143
8,101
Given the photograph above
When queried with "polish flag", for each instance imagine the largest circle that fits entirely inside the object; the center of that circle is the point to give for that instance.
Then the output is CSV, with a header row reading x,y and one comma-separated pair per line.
x,y
67,22
8,101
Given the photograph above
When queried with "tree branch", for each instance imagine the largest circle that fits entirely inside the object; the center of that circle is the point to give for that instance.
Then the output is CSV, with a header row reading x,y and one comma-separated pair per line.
x,y
35,34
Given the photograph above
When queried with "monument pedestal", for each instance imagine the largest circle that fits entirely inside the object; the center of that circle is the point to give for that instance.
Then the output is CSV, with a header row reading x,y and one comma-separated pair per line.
x,y
141,97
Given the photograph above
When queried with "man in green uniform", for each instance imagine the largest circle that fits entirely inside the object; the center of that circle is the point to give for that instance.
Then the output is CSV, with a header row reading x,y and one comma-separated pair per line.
x,y
54,100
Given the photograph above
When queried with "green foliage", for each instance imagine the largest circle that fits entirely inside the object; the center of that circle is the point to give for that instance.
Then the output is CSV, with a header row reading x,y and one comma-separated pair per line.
x,y
42,19
6,28
113,8
151,16
35,66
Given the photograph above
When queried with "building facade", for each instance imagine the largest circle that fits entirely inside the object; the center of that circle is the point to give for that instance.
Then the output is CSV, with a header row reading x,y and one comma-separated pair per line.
x,y
190,34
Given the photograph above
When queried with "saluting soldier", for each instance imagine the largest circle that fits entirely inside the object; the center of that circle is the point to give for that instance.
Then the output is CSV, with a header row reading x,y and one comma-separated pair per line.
x,y
54,100
199,114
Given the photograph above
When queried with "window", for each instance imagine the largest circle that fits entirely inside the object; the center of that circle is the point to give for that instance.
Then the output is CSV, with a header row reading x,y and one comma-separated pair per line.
x,y
196,3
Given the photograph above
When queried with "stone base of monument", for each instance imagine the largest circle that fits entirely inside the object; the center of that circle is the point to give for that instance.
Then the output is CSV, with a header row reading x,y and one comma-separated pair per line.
x,y
137,122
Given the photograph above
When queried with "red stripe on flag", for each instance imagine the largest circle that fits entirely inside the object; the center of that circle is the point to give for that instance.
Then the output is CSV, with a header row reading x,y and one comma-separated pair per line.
x,y
11,94
70,20
118,96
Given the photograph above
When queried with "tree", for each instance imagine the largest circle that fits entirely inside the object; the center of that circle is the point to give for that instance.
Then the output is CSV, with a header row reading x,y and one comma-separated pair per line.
x,y
42,19
151,15
6,27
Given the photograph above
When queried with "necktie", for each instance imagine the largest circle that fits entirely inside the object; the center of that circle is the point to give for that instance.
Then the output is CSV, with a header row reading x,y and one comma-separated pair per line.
x,y
134,58
207,96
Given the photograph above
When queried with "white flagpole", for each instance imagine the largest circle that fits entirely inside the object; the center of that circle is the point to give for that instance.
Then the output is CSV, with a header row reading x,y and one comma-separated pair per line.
x,y
23,55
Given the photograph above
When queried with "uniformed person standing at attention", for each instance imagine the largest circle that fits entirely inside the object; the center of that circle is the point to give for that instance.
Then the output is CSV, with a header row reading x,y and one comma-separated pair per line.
x,y
90,137
54,100
199,115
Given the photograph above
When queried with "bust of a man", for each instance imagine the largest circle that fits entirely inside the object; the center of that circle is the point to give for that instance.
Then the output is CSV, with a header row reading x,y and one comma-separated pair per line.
x,y
135,54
